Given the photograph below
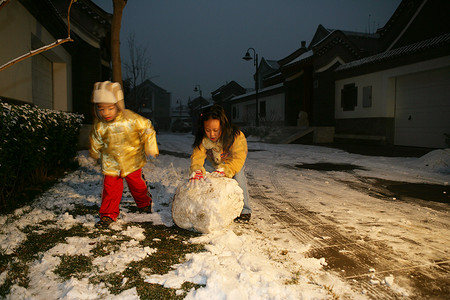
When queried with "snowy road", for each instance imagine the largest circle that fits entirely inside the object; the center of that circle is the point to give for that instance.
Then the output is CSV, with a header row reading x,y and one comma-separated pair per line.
x,y
326,224
367,235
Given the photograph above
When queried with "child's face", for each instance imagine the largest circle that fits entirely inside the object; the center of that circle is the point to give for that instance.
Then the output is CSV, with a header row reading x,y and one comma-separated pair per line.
x,y
212,129
107,111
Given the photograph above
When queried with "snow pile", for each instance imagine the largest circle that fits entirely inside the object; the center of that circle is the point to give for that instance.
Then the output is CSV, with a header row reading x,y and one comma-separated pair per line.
x,y
11,235
242,267
437,160
209,205
45,284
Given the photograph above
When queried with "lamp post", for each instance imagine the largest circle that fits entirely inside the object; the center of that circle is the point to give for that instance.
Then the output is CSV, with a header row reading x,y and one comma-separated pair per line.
x,y
179,101
197,88
248,57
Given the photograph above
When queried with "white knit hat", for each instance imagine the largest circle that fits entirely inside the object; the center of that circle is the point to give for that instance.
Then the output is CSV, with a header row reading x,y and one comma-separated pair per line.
x,y
107,92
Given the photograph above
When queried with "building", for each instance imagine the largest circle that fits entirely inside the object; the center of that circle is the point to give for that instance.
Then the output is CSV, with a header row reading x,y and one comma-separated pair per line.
x,y
389,86
196,107
401,95
225,93
151,101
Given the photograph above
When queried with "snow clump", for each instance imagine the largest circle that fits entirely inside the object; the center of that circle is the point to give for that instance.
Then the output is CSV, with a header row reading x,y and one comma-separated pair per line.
x,y
207,205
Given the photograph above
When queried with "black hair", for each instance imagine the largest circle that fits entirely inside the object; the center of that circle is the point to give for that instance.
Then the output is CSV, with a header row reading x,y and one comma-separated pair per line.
x,y
229,131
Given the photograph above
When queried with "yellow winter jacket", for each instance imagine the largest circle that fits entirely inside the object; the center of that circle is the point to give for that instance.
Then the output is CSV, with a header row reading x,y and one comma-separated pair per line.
x,y
231,162
122,145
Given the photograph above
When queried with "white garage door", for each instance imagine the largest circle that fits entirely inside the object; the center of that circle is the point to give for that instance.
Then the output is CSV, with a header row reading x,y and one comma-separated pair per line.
x,y
422,111
42,81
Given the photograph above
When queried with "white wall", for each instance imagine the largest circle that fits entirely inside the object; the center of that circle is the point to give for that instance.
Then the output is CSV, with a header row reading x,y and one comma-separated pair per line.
x,y
246,110
383,89
17,26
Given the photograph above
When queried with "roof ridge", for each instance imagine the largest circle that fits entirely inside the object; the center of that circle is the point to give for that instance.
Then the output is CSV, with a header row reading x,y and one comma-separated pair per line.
x,y
408,49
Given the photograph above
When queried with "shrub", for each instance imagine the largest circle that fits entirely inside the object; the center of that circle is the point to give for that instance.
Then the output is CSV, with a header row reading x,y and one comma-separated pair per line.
x,y
34,142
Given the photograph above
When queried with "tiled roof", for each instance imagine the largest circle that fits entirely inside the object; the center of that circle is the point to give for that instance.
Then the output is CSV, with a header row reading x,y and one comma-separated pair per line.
x,y
272,87
399,52
304,56
273,64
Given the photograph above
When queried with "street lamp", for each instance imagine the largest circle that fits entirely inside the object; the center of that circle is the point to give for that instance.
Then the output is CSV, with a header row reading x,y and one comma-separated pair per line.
x,y
248,57
197,88
179,101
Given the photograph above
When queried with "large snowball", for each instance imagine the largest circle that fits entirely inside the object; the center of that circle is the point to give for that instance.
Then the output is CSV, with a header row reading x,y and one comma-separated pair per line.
x,y
209,205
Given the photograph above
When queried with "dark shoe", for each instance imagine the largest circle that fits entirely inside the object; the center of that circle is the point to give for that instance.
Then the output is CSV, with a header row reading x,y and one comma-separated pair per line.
x,y
104,222
243,218
146,209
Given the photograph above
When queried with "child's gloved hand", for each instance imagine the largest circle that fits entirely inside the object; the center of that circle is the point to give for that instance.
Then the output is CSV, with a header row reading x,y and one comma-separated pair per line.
x,y
197,175
195,178
218,173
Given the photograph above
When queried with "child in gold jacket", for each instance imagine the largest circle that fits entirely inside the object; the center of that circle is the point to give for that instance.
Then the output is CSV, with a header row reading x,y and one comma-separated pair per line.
x,y
225,147
122,140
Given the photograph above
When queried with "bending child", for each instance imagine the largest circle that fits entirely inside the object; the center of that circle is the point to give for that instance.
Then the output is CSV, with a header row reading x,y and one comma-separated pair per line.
x,y
122,140
225,146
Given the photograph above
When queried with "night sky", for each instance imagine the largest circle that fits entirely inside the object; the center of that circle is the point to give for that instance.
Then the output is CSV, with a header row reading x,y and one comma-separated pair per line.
x,y
202,42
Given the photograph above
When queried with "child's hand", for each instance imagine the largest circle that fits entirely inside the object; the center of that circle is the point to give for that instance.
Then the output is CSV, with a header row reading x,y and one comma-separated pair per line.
x,y
197,175
218,173
195,178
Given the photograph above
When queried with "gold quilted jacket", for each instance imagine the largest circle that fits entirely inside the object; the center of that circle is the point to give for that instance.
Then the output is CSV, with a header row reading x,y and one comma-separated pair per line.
x,y
122,145
231,162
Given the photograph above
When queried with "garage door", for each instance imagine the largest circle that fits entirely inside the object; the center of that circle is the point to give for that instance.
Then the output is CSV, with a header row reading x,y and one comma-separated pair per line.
x,y
42,81
422,111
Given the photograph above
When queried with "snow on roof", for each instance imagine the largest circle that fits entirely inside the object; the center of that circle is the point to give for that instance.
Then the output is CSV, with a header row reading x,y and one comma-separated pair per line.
x,y
305,55
402,51
273,64
269,88
357,33
272,76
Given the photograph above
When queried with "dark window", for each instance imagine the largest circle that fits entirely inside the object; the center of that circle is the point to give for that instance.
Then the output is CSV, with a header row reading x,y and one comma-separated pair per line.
x,y
349,97
234,113
262,109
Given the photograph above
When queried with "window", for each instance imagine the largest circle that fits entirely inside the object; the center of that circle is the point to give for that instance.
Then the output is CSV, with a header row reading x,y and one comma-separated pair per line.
x,y
262,109
234,113
367,96
349,97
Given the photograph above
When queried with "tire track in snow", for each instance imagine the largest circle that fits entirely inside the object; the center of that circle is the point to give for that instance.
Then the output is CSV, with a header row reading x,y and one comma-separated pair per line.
x,y
345,253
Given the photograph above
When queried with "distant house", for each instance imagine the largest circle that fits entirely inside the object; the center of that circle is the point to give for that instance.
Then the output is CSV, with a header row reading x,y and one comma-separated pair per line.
x,y
196,107
152,102
224,93
60,78
243,107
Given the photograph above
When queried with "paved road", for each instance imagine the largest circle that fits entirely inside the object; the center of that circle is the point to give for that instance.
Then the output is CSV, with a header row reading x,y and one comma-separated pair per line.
x,y
421,265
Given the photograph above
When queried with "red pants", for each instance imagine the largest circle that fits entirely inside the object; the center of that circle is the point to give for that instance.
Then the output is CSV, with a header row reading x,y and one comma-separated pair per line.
x,y
113,189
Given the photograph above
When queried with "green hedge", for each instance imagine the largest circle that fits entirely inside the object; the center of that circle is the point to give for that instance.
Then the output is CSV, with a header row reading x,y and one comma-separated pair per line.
x,y
34,142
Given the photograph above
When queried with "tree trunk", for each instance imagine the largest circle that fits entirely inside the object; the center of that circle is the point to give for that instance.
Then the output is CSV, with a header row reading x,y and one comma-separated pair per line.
x,y
118,5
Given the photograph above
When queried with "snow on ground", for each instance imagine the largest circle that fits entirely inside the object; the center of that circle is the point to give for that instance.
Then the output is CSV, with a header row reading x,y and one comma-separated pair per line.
x,y
260,260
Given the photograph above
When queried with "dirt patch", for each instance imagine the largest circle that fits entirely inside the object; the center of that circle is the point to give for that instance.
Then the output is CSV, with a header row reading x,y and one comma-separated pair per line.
x,y
429,192
176,154
328,167
376,149
430,195
387,189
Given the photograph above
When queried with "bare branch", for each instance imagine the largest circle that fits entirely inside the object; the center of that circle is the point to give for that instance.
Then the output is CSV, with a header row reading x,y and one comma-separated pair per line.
x,y
44,48
3,3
